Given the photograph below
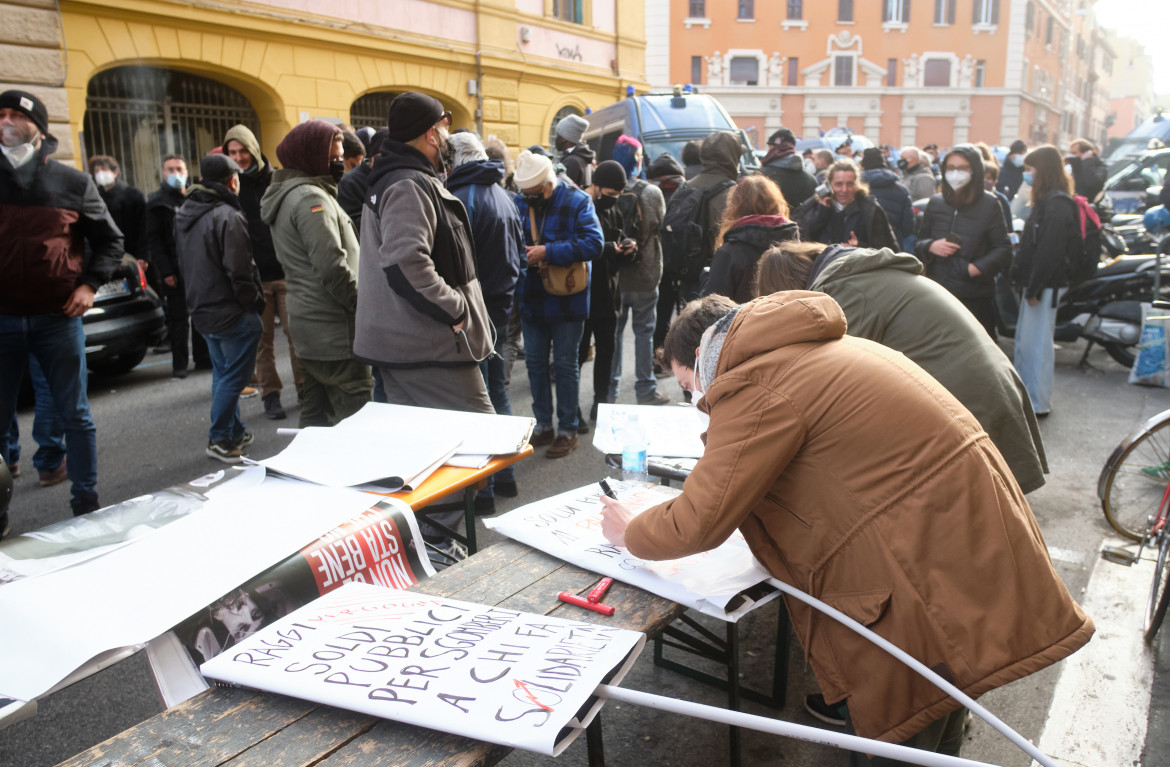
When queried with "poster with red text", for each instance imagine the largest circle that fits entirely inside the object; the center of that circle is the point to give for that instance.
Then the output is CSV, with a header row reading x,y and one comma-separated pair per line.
x,y
380,546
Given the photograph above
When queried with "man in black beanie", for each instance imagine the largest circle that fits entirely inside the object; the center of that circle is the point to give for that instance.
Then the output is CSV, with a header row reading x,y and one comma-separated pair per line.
x,y
785,167
893,198
224,295
49,213
421,318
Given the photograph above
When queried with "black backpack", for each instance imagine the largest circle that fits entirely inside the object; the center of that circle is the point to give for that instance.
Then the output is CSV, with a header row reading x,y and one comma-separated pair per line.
x,y
682,230
1084,252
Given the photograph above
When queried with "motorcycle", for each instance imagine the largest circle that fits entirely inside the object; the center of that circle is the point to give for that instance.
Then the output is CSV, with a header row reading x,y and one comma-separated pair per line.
x,y
1106,309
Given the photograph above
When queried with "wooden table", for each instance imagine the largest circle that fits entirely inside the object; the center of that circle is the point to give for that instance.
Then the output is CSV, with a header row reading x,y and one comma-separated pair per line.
x,y
227,727
448,480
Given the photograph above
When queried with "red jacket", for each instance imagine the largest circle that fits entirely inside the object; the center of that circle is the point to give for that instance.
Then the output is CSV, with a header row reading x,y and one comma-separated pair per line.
x,y
48,212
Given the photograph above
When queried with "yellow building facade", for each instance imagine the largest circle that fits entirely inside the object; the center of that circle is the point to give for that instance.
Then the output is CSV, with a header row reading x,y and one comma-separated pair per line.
x,y
508,68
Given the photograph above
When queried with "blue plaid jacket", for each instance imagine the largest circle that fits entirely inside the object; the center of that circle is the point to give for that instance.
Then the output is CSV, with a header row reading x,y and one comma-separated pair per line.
x,y
569,230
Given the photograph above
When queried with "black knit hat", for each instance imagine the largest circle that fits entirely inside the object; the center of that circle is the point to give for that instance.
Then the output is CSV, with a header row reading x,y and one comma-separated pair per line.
x,y
610,175
413,114
29,104
872,158
783,136
217,168
306,147
664,165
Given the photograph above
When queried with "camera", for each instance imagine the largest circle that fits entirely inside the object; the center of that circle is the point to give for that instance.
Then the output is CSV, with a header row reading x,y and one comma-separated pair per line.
x,y
824,191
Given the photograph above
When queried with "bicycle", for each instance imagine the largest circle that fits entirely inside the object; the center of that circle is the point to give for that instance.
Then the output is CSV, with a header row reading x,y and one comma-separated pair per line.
x,y
1134,489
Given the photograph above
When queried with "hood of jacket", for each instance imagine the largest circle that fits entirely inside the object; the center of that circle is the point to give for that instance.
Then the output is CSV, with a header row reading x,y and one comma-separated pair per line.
x,y
720,154
971,155
664,165
760,231
581,150
399,156
879,177
837,261
782,319
283,182
479,172
245,136
201,200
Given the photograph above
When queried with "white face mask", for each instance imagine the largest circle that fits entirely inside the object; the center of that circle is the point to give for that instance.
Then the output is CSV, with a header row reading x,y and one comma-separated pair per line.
x,y
104,178
697,392
1068,169
20,154
958,178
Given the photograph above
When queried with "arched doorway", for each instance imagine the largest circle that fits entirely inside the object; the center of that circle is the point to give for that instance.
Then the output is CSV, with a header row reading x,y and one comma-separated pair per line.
x,y
140,114
561,114
372,109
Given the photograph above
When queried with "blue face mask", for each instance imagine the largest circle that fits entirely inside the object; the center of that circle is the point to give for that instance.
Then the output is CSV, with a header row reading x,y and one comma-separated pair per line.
x,y
1018,161
1028,177
176,180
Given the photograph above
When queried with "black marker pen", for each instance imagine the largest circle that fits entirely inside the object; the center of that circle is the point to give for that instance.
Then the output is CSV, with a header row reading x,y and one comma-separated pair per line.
x,y
605,488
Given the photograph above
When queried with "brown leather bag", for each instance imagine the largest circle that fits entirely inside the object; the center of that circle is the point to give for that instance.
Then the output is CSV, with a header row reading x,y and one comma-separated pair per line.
x,y
560,280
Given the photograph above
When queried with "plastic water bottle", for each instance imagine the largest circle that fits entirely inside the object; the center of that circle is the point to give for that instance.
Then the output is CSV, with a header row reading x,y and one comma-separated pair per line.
x,y
634,443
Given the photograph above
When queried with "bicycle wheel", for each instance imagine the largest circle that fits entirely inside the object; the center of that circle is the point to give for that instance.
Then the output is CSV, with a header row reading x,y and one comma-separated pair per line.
x,y
1159,593
1135,480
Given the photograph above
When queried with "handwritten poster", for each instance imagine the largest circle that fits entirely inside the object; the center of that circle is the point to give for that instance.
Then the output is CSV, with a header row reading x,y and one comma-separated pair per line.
x,y
506,677
726,582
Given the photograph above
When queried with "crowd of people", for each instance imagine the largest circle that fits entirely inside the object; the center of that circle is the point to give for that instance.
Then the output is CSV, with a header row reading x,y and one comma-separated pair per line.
x,y
414,264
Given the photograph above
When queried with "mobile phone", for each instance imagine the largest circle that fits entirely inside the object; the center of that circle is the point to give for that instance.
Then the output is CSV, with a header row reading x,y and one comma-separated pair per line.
x,y
956,239
823,190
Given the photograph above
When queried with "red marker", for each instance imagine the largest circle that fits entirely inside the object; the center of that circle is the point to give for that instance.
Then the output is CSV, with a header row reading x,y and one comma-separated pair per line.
x,y
596,607
599,590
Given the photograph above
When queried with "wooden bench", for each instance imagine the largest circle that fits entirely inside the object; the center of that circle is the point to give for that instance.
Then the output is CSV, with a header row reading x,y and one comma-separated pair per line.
x,y
239,728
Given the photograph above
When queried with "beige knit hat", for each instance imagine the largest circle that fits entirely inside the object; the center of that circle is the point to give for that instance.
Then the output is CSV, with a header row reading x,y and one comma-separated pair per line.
x,y
532,170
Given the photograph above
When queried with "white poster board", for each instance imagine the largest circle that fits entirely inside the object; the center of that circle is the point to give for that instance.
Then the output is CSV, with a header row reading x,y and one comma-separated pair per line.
x,y
502,676
388,461
480,434
568,526
671,431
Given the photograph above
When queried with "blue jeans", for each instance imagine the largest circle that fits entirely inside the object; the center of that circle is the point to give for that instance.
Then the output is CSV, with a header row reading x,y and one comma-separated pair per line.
x,y
48,431
233,356
495,377
564,338
58,344
1034,357
643,305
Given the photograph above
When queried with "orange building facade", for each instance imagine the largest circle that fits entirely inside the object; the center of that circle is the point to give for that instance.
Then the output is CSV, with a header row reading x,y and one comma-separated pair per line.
x,y
899,72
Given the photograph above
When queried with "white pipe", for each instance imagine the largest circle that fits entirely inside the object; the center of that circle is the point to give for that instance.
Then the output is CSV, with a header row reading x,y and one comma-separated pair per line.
x,y
913,663
284,431
789,729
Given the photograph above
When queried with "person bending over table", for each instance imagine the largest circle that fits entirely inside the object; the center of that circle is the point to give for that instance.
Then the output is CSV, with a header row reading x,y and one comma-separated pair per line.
x,y
853,475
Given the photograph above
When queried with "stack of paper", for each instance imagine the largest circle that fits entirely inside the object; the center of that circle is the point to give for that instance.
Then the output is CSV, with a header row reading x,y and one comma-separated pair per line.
x,y
480,435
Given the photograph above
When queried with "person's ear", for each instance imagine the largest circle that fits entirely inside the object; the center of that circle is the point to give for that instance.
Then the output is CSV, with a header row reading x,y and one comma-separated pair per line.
x,y
697,352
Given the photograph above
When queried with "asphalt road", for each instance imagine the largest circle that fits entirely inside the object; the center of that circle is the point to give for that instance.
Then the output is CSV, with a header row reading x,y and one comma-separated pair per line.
x,y
152,433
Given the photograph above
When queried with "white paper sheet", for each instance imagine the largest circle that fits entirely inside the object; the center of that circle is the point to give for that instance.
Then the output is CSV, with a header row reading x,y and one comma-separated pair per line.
x,y
479,433
568,526
55,623
480,671
353,457
671,431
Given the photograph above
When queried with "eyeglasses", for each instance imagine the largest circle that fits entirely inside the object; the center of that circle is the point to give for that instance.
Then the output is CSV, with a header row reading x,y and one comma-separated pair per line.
x,y
446,116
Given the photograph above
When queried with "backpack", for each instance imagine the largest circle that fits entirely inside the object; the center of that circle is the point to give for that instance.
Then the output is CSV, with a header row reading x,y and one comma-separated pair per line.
x,y
1082,265
683,232
630,209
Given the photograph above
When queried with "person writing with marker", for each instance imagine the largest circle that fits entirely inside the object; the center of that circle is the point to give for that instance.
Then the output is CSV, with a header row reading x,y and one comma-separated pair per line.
x,y
854,476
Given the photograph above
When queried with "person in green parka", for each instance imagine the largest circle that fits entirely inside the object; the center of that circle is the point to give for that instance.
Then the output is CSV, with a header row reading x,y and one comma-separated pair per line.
x,y
887,299
317,247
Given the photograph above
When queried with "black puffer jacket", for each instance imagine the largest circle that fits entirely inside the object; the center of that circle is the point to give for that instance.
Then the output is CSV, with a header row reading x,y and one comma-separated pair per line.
x,y
733,268
895,202
127,207
252,188
161,207
351,193
1052,230
981,231
796,184
863,217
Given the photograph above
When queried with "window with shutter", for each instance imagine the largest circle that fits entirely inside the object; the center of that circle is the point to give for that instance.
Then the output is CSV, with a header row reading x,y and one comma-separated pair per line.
x,y
744,70
843,70
936,73
844,10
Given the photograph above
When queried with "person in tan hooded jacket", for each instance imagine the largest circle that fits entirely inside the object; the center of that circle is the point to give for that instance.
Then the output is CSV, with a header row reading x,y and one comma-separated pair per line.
x,y
921,534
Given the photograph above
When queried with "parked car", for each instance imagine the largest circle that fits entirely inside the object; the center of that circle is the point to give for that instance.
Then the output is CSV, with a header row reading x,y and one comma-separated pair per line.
x,y
663,122
126,320
833,138
1135,186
